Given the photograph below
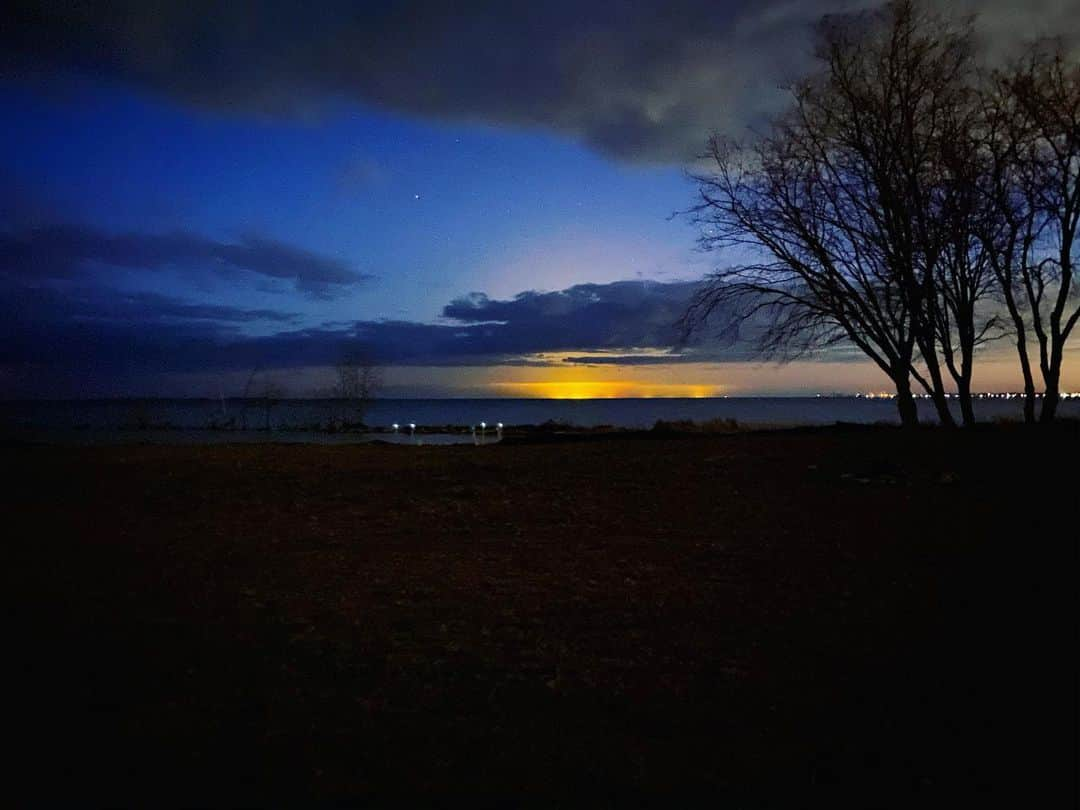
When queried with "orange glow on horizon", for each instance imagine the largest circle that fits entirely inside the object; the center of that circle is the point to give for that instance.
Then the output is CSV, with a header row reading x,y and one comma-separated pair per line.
x,y
603,389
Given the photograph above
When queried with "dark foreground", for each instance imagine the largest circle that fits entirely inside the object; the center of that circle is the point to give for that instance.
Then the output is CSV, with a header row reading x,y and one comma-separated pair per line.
x,y
860,616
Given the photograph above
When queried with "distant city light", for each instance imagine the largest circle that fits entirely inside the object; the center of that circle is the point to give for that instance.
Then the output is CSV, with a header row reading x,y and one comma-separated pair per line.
x,y
978,395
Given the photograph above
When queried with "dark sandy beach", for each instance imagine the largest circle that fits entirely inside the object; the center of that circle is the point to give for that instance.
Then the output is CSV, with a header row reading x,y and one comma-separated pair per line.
x,y
863,615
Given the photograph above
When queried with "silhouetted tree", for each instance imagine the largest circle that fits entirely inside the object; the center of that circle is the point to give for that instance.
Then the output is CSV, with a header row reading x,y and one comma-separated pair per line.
x,y
356,380
1009,225
964,280
269,395
843,200
1033,140
262,390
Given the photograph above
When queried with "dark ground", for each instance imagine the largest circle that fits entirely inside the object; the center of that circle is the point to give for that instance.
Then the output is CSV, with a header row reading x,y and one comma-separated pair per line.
x,y
864,616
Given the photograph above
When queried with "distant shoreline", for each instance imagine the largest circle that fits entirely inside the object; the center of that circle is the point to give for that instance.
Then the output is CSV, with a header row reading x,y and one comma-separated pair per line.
x,y
213,421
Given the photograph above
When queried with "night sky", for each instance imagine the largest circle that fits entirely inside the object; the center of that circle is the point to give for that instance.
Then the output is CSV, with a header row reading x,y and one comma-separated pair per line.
x,y
477,195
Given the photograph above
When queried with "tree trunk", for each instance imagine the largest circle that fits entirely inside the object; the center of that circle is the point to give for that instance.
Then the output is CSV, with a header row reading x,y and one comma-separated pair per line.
x,y
1049,406
1025,361
1052,376
1029,405
941,405
967,410
1029,380
905,402
1051,398
963,379
937,386
941,400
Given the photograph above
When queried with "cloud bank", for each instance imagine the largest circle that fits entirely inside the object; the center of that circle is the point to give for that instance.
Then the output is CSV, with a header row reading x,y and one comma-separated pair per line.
x,y
637,80
68,251
97,334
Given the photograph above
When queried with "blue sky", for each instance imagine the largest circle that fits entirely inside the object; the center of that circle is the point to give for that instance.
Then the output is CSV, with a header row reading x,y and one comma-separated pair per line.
x,y
192,191
433,210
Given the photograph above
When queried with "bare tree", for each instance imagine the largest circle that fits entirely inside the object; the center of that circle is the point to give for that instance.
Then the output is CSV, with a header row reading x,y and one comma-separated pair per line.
x,y
356,381
270,393
1037,184
264,391
965,280
843,200
1009,226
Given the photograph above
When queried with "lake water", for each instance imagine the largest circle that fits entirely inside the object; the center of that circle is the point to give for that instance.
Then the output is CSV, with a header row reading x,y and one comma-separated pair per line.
x,y
306,419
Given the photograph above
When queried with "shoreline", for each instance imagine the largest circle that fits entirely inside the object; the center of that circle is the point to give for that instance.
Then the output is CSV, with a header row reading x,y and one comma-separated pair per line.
x,y
457,435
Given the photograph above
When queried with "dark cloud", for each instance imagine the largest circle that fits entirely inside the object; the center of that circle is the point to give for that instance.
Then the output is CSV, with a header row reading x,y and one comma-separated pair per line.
x,y
633,359
594,317
104,333
92,335
93,304
602,316
636,79
73,251
95,335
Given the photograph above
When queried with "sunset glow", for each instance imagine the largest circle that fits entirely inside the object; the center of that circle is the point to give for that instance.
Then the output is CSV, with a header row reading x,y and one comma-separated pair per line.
x,y
603,389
